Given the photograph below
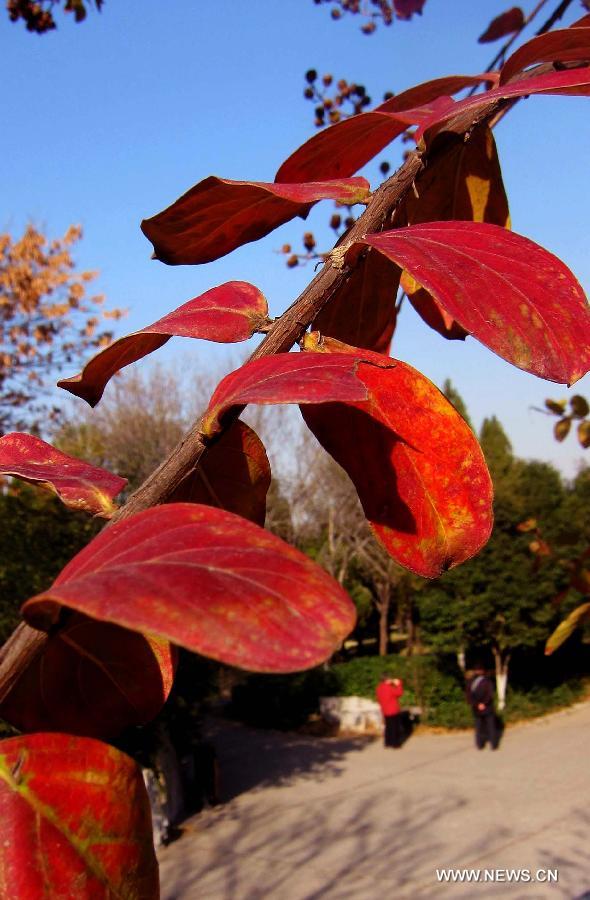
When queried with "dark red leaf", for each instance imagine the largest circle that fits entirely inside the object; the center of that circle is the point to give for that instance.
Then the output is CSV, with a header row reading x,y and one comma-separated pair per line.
x,y
76,483
363,312
565,45
218,215
232,474
509,293
575,82
405,9
465,183
432,312
228,313
74,821
417,467
342,149
285,378
92,679
506,23
209,581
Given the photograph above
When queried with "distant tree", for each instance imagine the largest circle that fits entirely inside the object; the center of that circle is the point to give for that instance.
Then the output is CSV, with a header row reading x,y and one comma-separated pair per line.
x,y
38,536
567,547
453,395
140,419
328,516
279,517
333,530
46,319
496,447
502,599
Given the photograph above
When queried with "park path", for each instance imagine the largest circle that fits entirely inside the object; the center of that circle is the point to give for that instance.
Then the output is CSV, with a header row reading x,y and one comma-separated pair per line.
x,y
345,819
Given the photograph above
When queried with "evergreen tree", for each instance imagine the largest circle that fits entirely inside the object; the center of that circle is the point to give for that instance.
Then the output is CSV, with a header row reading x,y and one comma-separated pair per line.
x,y
454,397
502,600
38,536
496,447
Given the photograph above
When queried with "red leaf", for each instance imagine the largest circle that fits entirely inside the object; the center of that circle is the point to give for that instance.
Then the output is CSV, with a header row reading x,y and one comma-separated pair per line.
x,y
284,378
228,313
209,581
427,93
342,149
405,9
76,483
465,183
432,312
218,215
507,23
572,81
363,312
565,45
417,467
232,474
511,294
92,679
75,820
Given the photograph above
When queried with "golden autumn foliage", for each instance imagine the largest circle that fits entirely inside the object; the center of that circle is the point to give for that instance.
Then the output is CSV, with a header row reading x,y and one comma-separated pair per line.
x,y
47,320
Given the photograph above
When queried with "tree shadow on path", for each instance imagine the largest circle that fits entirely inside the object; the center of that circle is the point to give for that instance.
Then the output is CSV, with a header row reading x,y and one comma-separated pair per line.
x,y
327,848
250,758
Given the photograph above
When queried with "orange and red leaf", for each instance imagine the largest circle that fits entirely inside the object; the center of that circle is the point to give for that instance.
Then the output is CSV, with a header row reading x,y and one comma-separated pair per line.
x,y
74,820
416,465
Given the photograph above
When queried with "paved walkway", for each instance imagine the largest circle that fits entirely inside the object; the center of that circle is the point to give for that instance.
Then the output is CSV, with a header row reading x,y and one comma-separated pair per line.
x,y
310,818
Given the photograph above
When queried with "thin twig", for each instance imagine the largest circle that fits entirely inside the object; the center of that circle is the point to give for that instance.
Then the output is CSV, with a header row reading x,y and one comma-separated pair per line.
x,y
555,17
500,55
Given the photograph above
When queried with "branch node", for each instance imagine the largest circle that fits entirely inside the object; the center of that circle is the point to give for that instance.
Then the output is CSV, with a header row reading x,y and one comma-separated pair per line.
x,y
338,254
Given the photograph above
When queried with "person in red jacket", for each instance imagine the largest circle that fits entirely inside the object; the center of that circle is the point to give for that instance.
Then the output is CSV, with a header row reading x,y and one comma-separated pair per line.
x,y
389,690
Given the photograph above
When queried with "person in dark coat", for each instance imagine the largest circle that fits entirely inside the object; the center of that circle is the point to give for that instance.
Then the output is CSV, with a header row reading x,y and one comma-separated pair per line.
x,y
389,690
480,696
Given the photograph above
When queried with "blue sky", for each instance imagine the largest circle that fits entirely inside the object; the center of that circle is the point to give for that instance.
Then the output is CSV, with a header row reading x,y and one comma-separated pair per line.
x,y
107,122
